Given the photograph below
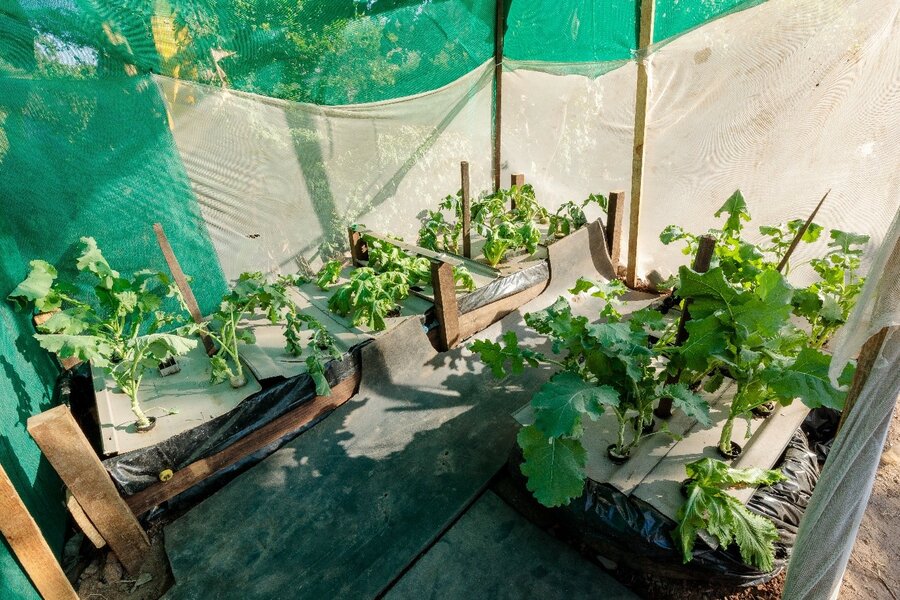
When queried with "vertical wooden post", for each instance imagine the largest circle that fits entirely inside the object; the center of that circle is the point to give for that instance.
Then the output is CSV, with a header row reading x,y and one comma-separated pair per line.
x,y
182,283
68,450
645,37
864,364
516,181
613,232
701,265
466,210
499,30
358,249
29,546
445,305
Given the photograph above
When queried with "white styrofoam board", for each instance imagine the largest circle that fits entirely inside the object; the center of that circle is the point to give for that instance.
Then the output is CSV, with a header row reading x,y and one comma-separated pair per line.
x,y
189,392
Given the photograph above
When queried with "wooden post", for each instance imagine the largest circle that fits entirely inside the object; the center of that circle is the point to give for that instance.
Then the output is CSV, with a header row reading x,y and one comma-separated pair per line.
x,y
83,522
516,181
645,36
358,249
614,227
445,305
701,265
466,210
864,363
182,283
29,546
800,233
68,450
499,30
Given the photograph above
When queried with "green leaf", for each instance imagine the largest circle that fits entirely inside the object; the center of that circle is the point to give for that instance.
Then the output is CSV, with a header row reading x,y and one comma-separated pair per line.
x,y
713,472
755,536
92,259
845,241
689,403
162,345
714,382
37,288
647,318
806,378
83,347
561,401
736,207
773,288
711,285
554,467
329,274
496,356
62,322
706,341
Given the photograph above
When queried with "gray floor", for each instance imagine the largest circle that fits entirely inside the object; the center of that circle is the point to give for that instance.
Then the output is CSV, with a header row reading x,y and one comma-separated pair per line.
x,y
493,552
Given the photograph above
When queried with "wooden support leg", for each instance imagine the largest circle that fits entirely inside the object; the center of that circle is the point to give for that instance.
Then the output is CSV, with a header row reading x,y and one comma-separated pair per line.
x,y
445,305
517,180
358,249
29,546
466,210
701,265
614,227
68,450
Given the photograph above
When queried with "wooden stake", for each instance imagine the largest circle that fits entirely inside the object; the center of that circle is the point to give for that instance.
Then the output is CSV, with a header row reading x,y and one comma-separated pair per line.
x,y
445,305
83,522
499,30
645,36
68,450
864,364
701,265
800,233
358,249
466,210
614,227
516,181
182,283
29,546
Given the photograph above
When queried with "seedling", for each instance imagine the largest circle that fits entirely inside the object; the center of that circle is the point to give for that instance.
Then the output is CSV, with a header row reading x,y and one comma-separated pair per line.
x,y
710,508
120,328
570,216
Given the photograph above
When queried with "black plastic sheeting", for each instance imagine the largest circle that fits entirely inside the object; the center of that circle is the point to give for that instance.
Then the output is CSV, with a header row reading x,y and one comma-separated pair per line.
x,y
633,533
136,470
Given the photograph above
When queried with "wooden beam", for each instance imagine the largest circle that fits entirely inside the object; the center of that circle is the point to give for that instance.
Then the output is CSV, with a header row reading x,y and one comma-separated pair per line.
x,y
273,431
183,286
445,305
29,546
83,522
614,213
800,233
477,320
864,364
499,27
68,450
466,210
701,265
358,249
645,36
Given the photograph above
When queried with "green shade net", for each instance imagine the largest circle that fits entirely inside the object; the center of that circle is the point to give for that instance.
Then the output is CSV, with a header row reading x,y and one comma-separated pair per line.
x,y
674,17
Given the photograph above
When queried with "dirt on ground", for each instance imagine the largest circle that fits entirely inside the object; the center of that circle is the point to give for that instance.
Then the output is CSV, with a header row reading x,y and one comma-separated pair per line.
x,y
873,572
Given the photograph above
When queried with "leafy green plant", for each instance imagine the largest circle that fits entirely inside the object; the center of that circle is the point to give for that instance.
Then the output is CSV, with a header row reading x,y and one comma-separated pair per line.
x,y
253,294
747,334
439,234
570,216
120,328
601,366
827,303
329,274
710,508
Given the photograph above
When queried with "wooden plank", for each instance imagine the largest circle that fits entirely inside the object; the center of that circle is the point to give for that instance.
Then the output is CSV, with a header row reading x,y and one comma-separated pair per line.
x,y
499,30
516,181
466,210
184,478
68,450
480,318
83,522
445,305
614,214
645,35
29,546
864,365
183,286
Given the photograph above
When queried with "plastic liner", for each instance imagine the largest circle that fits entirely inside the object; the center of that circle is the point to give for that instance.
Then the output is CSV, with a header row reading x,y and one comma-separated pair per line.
x,y
503,287
637,536
137,470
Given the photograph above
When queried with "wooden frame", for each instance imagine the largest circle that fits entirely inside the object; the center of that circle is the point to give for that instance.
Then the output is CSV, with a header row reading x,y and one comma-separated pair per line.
x,y
29,546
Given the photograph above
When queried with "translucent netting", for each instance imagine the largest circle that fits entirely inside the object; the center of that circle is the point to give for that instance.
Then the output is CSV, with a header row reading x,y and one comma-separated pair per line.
x,y
277,180
784,101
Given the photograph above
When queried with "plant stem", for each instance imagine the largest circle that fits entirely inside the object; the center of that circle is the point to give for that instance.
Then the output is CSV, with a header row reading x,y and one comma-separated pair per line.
x,y
725,439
